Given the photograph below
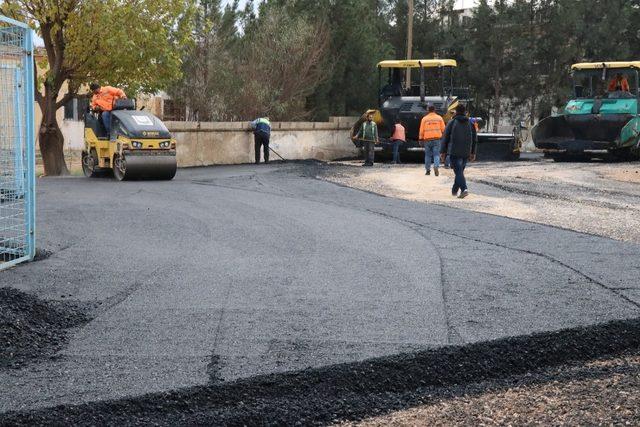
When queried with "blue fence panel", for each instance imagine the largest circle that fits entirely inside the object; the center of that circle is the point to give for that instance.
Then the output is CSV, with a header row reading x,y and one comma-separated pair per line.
x,y
17,144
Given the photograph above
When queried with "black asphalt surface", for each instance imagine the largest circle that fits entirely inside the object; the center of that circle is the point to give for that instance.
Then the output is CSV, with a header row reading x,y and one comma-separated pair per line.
x,y
235,272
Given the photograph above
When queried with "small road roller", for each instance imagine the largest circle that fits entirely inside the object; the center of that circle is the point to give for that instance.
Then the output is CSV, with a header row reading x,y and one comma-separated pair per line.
x,y
138,147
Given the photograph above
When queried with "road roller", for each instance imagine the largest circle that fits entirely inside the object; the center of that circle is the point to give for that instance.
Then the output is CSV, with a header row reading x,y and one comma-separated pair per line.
x,y
431,83
138,147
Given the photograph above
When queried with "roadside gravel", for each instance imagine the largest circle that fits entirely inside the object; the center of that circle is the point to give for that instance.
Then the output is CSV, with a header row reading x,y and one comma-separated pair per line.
x,y
595,198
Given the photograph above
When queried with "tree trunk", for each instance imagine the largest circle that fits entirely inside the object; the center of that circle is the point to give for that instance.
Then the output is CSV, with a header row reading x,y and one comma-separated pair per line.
x,y
51,140
497,110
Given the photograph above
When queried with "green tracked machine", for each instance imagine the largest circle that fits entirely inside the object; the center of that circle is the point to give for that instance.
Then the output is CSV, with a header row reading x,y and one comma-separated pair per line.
x,y
602,120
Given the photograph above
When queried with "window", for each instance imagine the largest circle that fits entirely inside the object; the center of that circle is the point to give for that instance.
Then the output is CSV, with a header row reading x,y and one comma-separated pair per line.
x,y
75,108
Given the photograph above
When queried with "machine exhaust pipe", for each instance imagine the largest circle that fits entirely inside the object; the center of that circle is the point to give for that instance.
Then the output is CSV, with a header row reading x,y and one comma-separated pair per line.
x,y
422,84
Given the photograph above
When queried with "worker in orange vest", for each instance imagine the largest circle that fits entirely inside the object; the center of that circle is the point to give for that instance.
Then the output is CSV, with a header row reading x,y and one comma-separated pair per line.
x,y
619,83
102,101
397,139
431,128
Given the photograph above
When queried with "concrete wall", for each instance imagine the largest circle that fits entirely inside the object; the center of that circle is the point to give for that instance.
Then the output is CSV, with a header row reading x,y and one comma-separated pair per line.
x,y
203,144
73,131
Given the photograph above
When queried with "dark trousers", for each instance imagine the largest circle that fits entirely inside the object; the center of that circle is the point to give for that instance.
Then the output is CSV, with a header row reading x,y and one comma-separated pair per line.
x,y
369,153
106,121
262,140
396,150
458,164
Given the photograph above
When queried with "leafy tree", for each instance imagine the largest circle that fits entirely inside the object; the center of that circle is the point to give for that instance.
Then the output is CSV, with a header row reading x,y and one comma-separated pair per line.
x,y
132,44
281,63
208,64
488,52
358,30
270,67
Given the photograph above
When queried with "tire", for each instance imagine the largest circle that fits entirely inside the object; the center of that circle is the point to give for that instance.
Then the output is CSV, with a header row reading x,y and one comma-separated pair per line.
x,y
579,157
89,164
624,155
119,168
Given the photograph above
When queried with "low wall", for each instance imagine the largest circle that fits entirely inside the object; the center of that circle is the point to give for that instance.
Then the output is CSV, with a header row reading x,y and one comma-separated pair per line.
x,y
204,144
73,131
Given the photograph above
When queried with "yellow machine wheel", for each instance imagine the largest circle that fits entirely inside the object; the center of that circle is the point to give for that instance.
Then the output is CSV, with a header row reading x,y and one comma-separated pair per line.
x,y
90,164
119,167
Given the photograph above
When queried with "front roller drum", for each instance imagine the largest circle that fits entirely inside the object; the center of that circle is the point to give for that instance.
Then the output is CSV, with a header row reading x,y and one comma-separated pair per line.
x,y
140,166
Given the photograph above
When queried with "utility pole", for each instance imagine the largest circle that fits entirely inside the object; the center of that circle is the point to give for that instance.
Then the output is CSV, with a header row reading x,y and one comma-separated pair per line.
x,y
409,38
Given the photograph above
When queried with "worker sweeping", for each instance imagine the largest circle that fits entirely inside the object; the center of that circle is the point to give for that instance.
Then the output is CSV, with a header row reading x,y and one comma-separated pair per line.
x,y
262,133
431,128
102,101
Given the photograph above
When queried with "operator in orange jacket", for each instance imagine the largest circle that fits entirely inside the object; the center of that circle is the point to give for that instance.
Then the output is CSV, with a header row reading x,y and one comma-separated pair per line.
x,y
619,83
431,129
103,99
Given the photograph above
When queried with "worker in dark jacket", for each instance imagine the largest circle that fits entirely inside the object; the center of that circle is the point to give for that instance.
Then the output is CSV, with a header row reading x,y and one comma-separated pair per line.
x,y
261,132
459,142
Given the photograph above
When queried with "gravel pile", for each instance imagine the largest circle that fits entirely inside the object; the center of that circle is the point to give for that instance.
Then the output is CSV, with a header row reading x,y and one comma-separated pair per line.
x,y
31,328
365,390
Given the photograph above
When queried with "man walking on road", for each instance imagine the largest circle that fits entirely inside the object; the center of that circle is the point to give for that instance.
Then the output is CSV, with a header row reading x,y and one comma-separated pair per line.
x,y
369,134
261,132
431,128
459,142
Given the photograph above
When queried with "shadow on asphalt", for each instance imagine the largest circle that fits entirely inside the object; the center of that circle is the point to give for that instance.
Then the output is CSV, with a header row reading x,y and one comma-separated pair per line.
x,y
355,391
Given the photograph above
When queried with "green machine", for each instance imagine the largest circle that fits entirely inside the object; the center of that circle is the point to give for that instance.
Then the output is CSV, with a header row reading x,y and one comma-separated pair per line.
x,y
601,119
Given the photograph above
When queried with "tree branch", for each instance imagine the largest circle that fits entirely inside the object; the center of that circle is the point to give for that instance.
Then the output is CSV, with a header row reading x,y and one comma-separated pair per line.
x,y
66,98
36,91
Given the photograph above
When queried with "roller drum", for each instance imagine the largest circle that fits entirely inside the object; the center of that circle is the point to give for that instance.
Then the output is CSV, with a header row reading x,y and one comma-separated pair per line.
x,y
145,166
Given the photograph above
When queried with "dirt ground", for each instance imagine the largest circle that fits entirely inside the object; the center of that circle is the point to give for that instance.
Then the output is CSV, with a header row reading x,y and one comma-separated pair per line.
x,y
602,392
596,198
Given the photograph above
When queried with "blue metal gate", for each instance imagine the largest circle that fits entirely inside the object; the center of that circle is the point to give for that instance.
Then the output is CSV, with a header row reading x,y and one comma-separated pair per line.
x,y
17,144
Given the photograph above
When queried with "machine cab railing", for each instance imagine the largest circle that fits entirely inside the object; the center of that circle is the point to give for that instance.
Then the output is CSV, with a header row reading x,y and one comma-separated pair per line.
x,y
434,77
599,80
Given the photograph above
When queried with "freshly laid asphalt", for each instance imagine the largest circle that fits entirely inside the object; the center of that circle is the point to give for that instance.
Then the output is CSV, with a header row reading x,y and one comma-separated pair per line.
x,y
233,272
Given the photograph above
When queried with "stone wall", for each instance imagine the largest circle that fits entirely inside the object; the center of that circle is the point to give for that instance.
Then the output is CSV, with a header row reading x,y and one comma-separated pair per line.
x,y
203,144
223,143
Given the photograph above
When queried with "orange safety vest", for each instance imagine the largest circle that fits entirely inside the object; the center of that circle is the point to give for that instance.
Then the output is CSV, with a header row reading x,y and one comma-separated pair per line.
x,y
623,84
431,127
106,97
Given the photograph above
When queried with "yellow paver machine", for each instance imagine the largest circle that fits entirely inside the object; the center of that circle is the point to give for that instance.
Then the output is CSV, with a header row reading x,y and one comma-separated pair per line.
x,y
139,146
432,83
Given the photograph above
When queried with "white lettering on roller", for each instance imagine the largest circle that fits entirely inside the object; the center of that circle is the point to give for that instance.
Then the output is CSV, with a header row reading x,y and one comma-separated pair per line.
x,y
143,120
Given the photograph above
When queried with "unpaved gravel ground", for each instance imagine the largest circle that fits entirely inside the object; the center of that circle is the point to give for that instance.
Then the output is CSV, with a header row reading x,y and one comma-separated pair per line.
x,y
596,198
600,392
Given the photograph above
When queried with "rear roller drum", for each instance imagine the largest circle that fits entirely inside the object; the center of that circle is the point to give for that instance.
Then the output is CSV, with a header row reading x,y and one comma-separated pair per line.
x,y
119,168
90,164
